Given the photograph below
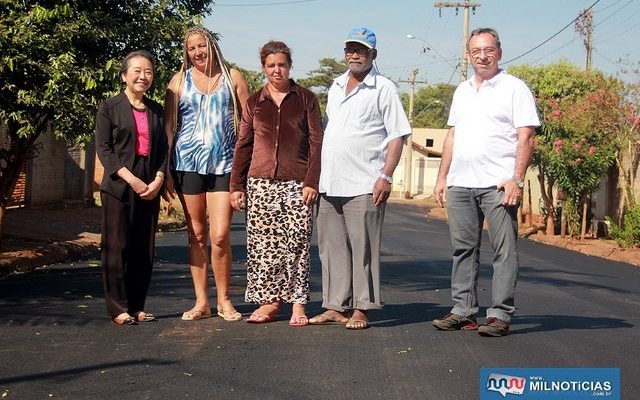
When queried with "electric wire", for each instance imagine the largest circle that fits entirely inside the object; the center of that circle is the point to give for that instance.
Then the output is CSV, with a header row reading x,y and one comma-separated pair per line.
x,y
279,3
551,37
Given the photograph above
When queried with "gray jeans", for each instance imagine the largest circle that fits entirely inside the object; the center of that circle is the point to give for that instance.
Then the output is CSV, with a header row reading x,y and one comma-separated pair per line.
x,y
467,209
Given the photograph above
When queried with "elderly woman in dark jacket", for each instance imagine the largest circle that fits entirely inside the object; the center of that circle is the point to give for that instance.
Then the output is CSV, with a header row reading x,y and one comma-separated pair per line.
x,y
132,147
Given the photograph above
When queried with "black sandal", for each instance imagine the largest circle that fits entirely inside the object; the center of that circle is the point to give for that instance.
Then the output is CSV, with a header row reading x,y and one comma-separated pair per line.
x,y
148,317
127,321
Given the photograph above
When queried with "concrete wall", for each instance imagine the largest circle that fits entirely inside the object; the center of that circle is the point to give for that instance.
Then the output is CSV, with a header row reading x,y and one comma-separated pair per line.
x,y
73,173
425,170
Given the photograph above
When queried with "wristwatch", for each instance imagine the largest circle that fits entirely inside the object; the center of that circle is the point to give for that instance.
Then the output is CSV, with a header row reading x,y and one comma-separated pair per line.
x,y
518,182
386,178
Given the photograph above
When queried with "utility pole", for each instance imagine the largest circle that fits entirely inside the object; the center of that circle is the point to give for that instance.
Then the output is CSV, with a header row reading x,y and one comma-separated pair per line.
x,y
466,5
407,148
584,26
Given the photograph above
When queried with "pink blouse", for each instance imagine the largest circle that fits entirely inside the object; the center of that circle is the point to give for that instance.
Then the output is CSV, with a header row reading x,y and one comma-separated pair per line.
x,y
142,132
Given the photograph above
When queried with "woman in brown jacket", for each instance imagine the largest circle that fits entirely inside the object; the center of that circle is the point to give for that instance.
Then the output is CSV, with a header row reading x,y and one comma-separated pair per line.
x,y
277,165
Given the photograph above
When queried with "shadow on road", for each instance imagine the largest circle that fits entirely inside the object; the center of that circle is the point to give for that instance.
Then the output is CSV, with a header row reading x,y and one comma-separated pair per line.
x,y
548,323
73,373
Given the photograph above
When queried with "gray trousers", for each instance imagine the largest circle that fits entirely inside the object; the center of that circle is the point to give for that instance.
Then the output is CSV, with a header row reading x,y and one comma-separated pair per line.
x,y
467,208
349,233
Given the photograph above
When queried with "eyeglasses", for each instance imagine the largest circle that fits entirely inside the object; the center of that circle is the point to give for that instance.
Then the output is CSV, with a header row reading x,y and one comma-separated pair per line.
x,y
348,51
488,51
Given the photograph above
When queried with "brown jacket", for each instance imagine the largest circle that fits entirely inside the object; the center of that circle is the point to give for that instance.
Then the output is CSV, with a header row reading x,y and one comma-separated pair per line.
x,y
279,143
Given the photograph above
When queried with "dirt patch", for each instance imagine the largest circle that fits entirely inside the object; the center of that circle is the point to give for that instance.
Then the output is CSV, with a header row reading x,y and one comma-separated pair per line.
x,y
603,248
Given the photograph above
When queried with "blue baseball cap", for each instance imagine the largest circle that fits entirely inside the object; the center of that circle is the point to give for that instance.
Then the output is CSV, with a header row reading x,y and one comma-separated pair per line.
x,y
363,36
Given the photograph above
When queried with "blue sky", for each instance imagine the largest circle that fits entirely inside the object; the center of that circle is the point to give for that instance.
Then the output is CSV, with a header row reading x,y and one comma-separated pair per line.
x,y
316,28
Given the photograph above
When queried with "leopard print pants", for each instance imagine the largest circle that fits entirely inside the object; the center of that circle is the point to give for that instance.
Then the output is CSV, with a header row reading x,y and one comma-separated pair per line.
x,y
279,228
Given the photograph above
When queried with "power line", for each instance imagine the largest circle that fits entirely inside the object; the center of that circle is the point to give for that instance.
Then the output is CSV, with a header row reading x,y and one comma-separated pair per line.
x,y
552,36
603,56
556,50
421,64
615,12
279,3
621,33
607,7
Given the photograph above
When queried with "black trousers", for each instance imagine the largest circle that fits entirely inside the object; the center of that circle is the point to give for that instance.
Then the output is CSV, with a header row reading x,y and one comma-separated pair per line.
x,y
128,240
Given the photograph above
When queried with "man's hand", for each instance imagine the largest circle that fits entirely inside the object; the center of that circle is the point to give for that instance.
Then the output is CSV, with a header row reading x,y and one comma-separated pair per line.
x,y
512,193
381,191
440,192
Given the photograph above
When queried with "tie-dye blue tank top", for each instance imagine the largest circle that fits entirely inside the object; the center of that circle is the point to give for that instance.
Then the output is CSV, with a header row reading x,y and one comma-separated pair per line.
x,y
205,140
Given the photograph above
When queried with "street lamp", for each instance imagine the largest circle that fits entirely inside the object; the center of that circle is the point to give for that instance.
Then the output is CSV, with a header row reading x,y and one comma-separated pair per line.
x,y
429,48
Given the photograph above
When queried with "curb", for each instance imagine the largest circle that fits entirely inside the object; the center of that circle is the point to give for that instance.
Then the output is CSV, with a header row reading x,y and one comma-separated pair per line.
x,y
61,251
51,253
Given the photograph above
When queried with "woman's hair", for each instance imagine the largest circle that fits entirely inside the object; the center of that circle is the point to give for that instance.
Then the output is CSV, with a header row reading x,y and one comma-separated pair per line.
x,y
213,49
275,47
138,53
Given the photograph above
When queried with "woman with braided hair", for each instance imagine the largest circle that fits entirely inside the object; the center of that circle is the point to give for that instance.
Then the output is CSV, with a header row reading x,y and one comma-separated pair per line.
x,y
202,114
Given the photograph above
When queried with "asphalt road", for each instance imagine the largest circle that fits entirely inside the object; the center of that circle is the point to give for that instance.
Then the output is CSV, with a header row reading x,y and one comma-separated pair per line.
x,y
57,343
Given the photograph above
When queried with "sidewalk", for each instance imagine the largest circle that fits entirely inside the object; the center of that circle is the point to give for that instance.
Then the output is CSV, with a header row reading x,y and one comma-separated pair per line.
x,y
593,247
38,237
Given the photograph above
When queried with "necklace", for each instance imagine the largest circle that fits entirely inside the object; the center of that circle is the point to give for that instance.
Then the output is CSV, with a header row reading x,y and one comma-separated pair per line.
x,y
141,107
206,81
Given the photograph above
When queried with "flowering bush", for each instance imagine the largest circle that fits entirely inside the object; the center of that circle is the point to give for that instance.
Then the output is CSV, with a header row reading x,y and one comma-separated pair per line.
x,y
577,145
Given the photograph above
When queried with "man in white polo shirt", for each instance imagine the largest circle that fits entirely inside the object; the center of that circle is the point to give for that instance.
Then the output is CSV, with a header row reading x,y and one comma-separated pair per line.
x,y
485,157
363,138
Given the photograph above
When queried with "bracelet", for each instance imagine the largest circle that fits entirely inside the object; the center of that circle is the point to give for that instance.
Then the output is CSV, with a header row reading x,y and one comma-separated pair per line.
x,y
386,178
160,175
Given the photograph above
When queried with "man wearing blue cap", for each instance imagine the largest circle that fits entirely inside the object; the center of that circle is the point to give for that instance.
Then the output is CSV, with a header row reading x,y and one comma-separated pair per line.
x,y
364,132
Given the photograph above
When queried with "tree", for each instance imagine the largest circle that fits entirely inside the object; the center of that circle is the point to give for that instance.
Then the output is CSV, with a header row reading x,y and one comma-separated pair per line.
x,y
54,70
255,79
628,156
430,105
320,79
577,148
576,142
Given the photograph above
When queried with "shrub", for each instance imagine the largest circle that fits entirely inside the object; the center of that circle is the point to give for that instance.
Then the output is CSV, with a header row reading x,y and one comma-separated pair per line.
x,y
629,234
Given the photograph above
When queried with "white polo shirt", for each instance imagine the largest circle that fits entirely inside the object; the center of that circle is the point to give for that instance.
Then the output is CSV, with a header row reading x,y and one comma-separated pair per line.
x,y
486,136
357,130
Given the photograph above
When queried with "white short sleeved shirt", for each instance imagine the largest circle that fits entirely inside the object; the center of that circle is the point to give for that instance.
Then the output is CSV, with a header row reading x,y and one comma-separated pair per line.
x,y
358,127
486,136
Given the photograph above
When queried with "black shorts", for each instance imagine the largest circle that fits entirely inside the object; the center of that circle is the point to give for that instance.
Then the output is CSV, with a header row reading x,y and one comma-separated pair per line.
x,y
195,183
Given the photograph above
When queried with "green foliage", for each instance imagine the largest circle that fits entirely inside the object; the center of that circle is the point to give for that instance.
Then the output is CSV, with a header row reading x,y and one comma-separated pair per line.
x,y
255,80
320,79
430,105
57,69
629,234
61,58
